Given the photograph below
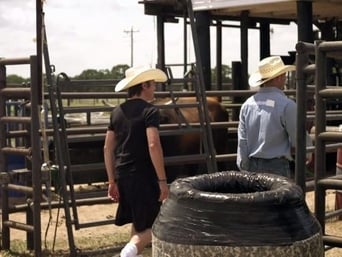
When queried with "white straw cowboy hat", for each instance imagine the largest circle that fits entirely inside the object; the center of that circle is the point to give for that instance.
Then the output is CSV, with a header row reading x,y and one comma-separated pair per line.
x,y
137,75
269,68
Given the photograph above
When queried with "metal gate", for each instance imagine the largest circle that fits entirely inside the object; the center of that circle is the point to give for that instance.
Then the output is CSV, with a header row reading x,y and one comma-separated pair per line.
x,y
322,52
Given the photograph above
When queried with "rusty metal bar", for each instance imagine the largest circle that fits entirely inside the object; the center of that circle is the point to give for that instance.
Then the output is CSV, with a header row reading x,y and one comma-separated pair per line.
x,y
319,202
4,178
16,150
88,109
95,223
180,131
185,159
330,93
320,122
169,161
334,182
211,93
323,51
17,133
16,92
86,167
302,61
214,125
329,112
7,177
68,84
334,241
83,130
226,157
20,188
5,233
62,155
15,119
309,69
330,46
328,129
34,218
110,108
14,61
330,136
58,204
18,225
101,129
332,214
328,116
178,105
305,48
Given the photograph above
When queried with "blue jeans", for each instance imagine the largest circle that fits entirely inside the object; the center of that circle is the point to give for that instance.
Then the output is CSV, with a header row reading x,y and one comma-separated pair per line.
x,y
277,166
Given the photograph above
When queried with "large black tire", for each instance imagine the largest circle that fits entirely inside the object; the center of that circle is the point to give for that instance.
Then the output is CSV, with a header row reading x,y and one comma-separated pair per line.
x,y
236,214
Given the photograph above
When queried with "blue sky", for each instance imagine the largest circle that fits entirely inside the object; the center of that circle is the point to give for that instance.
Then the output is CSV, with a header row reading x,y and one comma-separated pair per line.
x,y
88,34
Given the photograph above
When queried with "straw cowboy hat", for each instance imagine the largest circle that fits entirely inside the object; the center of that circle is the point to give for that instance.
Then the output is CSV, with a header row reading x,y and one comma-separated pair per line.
x,y
269,68
137,75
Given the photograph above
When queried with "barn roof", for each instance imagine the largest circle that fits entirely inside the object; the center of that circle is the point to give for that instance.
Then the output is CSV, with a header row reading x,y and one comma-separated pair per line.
x,y
232,9
287,9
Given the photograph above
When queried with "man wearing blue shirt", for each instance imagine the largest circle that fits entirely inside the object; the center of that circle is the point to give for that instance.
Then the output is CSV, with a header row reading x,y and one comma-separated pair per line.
x,y
267,124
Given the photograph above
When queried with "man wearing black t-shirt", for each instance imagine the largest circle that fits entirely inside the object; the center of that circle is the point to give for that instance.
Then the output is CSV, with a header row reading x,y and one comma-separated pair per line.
x,y
134,158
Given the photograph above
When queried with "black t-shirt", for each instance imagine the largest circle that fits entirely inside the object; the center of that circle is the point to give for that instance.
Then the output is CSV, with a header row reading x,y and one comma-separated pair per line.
x,y
129,122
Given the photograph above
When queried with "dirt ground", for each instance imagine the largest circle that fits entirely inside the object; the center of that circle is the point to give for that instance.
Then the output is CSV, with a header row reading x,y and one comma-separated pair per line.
x,y
54,229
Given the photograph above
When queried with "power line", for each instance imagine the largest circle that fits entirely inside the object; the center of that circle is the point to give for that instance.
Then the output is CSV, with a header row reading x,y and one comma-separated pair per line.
x,y
131,32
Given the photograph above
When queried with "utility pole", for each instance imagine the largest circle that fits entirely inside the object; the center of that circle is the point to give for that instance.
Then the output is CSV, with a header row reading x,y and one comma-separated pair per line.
x,y
131,32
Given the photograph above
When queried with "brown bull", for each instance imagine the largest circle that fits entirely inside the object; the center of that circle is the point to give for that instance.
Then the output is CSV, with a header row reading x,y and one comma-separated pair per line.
x,y
190,143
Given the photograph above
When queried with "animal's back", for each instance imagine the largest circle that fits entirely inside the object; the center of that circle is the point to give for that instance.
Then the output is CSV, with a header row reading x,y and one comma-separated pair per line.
x,y
190,143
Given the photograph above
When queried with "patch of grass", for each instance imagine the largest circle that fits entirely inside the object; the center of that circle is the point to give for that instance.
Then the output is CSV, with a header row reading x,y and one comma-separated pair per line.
x,y
101,245
98,246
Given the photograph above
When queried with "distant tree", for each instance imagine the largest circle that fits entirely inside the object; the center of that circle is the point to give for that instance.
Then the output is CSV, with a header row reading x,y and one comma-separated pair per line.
x,y
15,79
118,71
105,74
226,75
89,74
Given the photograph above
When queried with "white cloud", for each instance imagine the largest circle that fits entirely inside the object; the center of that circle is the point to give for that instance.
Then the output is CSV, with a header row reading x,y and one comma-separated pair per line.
x,y
88,34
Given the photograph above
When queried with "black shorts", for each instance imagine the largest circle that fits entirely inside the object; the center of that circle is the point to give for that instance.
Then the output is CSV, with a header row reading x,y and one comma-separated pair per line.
x,y
138,203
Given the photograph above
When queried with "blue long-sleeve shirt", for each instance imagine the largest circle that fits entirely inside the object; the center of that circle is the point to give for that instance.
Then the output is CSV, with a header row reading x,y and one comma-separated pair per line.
x,y
267,126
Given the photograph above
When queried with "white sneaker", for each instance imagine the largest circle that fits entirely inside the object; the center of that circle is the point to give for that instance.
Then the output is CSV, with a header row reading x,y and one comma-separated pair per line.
x,y
130,250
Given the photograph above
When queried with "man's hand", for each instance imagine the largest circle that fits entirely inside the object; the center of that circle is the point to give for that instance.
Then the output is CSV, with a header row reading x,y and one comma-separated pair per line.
x,y
164,190
113,192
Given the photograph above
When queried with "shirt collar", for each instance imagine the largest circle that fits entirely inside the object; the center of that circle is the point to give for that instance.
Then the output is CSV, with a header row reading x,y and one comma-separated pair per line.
x,y
270,89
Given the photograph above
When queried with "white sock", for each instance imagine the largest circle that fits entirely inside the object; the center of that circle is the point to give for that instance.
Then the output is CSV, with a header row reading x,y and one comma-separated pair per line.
x,y
130,250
